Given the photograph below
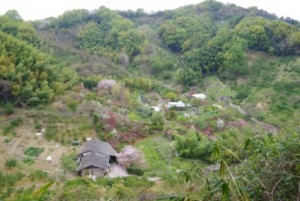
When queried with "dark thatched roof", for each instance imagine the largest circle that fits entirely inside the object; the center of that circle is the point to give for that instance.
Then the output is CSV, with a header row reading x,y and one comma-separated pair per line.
x,y
94,160
97,146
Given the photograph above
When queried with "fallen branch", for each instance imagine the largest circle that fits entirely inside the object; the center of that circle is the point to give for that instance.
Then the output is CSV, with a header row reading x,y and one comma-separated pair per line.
x,y
275,187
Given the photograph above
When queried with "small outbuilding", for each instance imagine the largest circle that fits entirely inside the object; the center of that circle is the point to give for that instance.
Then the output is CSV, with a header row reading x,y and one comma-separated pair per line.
x,y
199,96
155,108
178,105
94,158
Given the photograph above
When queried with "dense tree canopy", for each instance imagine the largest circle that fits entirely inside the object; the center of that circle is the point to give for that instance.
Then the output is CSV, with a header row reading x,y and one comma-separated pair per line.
x,y
29,76
213,40
108,34
11,23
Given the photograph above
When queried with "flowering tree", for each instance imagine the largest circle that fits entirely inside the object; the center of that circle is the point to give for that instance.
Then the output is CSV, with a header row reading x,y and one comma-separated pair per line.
x,y
130,156
110,121
106,84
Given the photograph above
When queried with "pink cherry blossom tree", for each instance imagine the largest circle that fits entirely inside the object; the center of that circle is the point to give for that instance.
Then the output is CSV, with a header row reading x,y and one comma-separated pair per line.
x,y
131,156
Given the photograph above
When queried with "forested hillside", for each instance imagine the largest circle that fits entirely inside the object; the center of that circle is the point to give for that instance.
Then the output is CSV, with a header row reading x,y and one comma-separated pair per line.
x,y
28,76
208,95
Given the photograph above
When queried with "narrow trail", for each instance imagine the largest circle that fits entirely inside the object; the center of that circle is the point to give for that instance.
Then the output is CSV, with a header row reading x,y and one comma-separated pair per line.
x,y
268,127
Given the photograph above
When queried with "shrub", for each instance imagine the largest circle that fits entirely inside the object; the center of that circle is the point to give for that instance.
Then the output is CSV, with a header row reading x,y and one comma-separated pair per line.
x,y
10,163
38,126
28,160
50,132
73,105
7,129
171,115
68,162
16,122
157,122
8,108
172,96
33,151
135,171
90,83
38,175
194,146
34,101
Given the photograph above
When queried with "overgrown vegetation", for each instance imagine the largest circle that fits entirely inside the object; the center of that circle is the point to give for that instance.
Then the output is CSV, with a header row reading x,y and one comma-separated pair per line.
x,y
110,75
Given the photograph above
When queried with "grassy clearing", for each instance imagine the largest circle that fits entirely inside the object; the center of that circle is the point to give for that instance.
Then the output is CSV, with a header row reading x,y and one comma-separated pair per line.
x,y
160,157
163,163
215,88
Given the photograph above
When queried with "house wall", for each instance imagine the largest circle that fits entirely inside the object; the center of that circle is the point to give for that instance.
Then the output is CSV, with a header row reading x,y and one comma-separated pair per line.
x,y
97,172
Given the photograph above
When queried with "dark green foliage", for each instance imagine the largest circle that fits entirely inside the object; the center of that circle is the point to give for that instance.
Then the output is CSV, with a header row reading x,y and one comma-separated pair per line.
x,y
12,23
135,171
243,92
33,151
110,36
13,124
194,146
7,129
8,108
159,64
234,59
171,115
90,82
188,76
28,160
157,122
209,48
11,163
186,32
30,76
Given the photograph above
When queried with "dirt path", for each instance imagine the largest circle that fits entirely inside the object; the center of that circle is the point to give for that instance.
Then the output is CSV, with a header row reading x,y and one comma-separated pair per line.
x,y
268,127
117,171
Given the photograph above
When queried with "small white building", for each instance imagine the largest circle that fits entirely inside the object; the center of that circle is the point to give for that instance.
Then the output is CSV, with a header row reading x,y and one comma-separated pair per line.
x,y
199,96
178,104
154,108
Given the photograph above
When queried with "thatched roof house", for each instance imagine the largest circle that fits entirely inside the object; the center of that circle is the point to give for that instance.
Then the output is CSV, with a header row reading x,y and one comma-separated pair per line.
x,y
97,146
94,158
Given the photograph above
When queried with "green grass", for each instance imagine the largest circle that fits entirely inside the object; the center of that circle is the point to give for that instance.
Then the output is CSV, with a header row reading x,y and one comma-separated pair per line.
x,y
215,88
160,157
